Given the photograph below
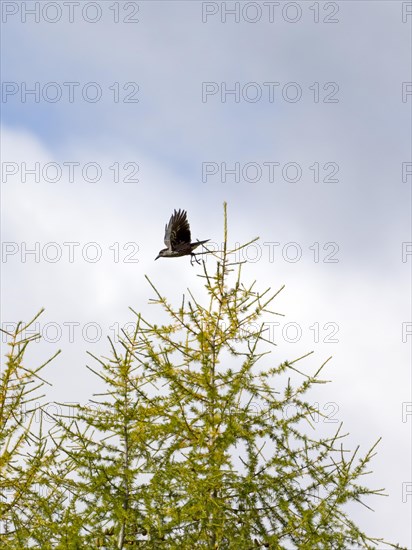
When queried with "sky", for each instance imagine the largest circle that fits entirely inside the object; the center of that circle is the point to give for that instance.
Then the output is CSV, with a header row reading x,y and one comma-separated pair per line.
x,y
298,114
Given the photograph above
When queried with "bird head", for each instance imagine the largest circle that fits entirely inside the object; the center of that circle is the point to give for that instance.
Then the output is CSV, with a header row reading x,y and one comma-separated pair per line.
x,y
161,253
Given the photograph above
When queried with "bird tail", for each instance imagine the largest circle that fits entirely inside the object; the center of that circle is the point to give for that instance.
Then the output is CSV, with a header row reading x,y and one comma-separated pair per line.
x,y
198,243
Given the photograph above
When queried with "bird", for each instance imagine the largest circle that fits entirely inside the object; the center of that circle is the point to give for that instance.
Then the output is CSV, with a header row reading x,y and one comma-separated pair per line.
x,y
177,238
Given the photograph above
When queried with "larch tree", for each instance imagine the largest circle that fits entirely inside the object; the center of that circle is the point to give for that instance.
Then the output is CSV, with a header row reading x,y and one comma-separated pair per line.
x,y
30,497
189,446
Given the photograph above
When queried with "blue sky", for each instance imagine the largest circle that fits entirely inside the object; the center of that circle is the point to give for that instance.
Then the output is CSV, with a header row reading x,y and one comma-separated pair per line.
x,y
350,124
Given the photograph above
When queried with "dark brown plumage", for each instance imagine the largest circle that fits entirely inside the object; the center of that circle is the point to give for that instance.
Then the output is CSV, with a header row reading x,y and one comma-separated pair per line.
x,y
177,237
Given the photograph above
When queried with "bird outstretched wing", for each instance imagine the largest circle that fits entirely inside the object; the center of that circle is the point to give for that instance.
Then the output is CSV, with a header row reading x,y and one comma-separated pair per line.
x,y
177,231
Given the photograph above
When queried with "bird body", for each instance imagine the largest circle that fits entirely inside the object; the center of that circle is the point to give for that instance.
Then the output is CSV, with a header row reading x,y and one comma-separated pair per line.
x,y
177,237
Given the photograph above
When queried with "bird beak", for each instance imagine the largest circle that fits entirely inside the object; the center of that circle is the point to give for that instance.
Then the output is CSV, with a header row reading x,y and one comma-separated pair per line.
x,y
157,257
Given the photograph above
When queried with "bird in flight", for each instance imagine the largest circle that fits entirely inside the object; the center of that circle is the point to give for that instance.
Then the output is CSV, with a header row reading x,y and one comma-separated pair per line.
x,y
177,238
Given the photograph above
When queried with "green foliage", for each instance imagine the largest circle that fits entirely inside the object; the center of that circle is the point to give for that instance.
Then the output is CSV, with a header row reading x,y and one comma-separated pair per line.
x,y
26,487
189,446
